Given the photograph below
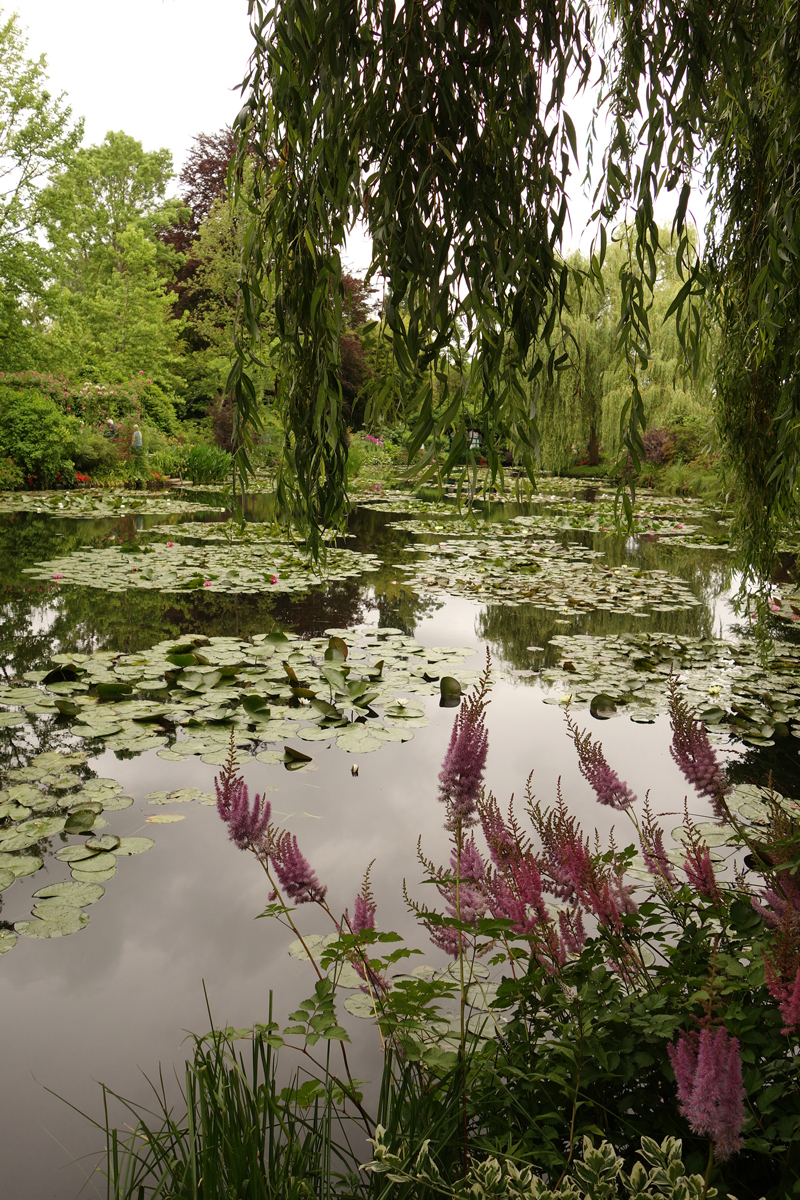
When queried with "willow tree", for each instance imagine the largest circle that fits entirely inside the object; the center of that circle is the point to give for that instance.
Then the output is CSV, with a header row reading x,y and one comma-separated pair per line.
x,y
444,125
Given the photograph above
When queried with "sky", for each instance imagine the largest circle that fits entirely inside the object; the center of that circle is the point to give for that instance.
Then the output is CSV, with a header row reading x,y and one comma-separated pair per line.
x,y
164,71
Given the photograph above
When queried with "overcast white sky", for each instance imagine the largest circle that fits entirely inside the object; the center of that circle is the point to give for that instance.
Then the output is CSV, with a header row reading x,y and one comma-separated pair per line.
x,y
165,70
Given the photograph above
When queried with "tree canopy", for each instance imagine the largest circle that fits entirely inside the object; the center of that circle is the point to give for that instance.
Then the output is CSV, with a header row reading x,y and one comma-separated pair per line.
x,y
446,127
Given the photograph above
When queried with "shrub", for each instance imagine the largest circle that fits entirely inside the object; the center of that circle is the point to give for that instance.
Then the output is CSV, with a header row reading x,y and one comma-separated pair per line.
x,y
11,478
659,446
96,454
36,436
207,464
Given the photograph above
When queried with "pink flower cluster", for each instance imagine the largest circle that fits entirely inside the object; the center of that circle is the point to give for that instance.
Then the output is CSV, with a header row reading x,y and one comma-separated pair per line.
x,y
787,996
708,1072
693,752
608,787
461,776
251,829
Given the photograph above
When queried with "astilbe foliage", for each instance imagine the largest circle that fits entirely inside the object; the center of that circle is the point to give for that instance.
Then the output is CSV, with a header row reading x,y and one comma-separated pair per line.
x,y
708,1073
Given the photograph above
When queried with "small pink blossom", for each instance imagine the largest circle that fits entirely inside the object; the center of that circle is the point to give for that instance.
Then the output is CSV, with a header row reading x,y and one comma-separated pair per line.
x,y
273,578
207,583
58,577
170,543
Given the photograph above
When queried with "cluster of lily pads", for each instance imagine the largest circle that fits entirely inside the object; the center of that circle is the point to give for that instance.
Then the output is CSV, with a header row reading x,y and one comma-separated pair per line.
x,y
563,579
252,562
100,502
184,698
48,798
727,683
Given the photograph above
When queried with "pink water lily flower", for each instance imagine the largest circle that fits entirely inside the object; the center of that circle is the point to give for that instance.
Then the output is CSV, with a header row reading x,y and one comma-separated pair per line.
x,y
170,543
58,577
273,578
207,583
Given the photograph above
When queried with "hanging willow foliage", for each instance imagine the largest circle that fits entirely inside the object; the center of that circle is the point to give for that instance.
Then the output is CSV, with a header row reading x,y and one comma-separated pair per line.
x,y
715,88
443,124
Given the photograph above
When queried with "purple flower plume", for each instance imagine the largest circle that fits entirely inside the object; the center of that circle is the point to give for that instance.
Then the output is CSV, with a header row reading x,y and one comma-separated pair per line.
x,y
700,870
653,852
787,995
247,826
608,787
468,903
708,1072
295,875
461,776
364,908
693,752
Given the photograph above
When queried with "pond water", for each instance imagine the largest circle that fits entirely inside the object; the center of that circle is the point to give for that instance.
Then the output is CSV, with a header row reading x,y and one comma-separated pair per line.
x,y
176,923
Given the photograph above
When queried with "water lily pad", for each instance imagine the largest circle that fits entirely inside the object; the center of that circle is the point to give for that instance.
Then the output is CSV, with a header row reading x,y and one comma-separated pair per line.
x,y
71,920
602,707
8,719
108,841
75,853
6,878
76,894
133,845
20,864
357,743
98,862
360,1004
96,877
165,819
7,940
117,803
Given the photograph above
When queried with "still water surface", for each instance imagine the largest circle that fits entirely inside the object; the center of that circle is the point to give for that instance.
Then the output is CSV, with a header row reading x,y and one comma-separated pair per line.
x,y
114,1001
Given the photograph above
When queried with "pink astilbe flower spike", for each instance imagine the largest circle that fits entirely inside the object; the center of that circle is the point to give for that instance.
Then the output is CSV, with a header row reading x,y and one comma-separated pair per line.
x,y
468,903
693,752
653,852
787,996
295,875
708,1072
461,776
248,827
606,783
364,908
700,871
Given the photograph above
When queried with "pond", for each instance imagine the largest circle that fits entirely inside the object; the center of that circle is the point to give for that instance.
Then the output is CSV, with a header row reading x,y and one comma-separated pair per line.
x,y
138,632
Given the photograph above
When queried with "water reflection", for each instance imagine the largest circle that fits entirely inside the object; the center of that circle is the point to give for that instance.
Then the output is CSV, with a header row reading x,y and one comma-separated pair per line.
x,y
115,998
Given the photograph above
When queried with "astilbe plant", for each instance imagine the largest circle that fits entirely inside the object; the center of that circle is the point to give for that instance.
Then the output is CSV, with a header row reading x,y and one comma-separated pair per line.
x,y
572,929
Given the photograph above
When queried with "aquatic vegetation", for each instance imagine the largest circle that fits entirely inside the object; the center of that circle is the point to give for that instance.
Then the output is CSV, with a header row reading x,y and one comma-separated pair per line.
x,y
53,797
736,692
183,697
94,503
565,579
264,561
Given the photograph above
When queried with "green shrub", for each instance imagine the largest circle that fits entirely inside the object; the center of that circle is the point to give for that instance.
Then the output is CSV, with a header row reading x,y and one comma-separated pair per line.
x,y
95,454
207,464
36,436
11,478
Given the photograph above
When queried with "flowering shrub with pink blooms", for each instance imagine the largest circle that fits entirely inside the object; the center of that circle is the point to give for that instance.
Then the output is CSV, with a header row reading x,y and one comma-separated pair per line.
x,y
624,991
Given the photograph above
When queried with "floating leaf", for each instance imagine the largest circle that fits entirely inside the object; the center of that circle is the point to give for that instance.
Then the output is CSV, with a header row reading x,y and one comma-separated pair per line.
x,y
602,706
164,819
7,940
76,894
6,878
133,845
